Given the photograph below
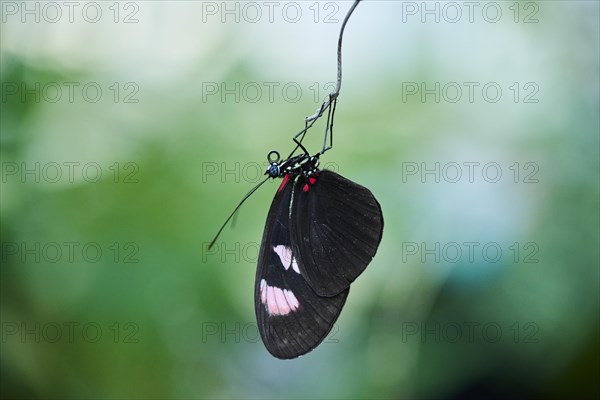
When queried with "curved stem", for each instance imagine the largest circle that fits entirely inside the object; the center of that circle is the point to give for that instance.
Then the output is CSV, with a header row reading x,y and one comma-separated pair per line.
x,y
332,98
339,50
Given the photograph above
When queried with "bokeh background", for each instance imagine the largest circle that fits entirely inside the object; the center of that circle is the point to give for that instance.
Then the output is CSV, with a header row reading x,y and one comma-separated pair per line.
x,y
129,131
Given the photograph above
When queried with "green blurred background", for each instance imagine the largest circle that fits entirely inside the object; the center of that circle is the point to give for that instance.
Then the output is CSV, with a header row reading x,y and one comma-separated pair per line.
x,y
129,131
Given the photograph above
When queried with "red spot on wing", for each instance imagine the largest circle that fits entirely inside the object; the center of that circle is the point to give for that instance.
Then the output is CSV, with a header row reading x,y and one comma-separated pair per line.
x,y
285,179
312,180
305,188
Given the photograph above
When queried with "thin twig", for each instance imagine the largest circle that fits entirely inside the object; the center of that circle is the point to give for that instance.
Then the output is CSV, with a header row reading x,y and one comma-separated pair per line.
x,y
335,93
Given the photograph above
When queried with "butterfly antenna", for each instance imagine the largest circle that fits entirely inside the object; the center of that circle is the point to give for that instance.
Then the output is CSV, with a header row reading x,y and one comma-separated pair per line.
x,y
235,210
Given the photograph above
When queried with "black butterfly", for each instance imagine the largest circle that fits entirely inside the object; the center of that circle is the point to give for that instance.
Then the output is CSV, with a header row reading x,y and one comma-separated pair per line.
x,y
321,233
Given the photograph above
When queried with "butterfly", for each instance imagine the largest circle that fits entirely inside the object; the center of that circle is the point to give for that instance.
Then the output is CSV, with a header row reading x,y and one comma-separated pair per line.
x,y
322,231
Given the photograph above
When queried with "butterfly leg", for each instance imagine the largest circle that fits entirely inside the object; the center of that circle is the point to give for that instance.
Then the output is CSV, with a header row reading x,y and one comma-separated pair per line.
x,y
329,125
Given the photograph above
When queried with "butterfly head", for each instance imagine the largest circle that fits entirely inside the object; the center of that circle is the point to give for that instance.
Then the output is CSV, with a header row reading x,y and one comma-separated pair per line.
x,y
302,164
274,169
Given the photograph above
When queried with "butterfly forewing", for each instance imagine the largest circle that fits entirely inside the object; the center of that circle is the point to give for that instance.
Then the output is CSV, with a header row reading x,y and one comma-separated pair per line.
x,y
336,229
292,318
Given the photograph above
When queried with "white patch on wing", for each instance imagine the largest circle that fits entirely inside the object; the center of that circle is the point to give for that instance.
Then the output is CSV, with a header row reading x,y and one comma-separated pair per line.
x,y
295,265
263,291
277,301
285,255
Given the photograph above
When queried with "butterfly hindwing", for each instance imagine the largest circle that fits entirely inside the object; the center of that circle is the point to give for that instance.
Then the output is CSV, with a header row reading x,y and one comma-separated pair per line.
x,y
292,318
336,228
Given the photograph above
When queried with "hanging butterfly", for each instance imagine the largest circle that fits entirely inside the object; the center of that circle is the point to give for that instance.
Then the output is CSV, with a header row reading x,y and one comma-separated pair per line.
x,y
321,232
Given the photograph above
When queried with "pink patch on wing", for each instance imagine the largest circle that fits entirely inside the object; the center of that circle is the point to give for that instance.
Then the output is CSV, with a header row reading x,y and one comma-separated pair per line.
x,y
277,301
305,188
282,303
312,180
286,177
271,303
